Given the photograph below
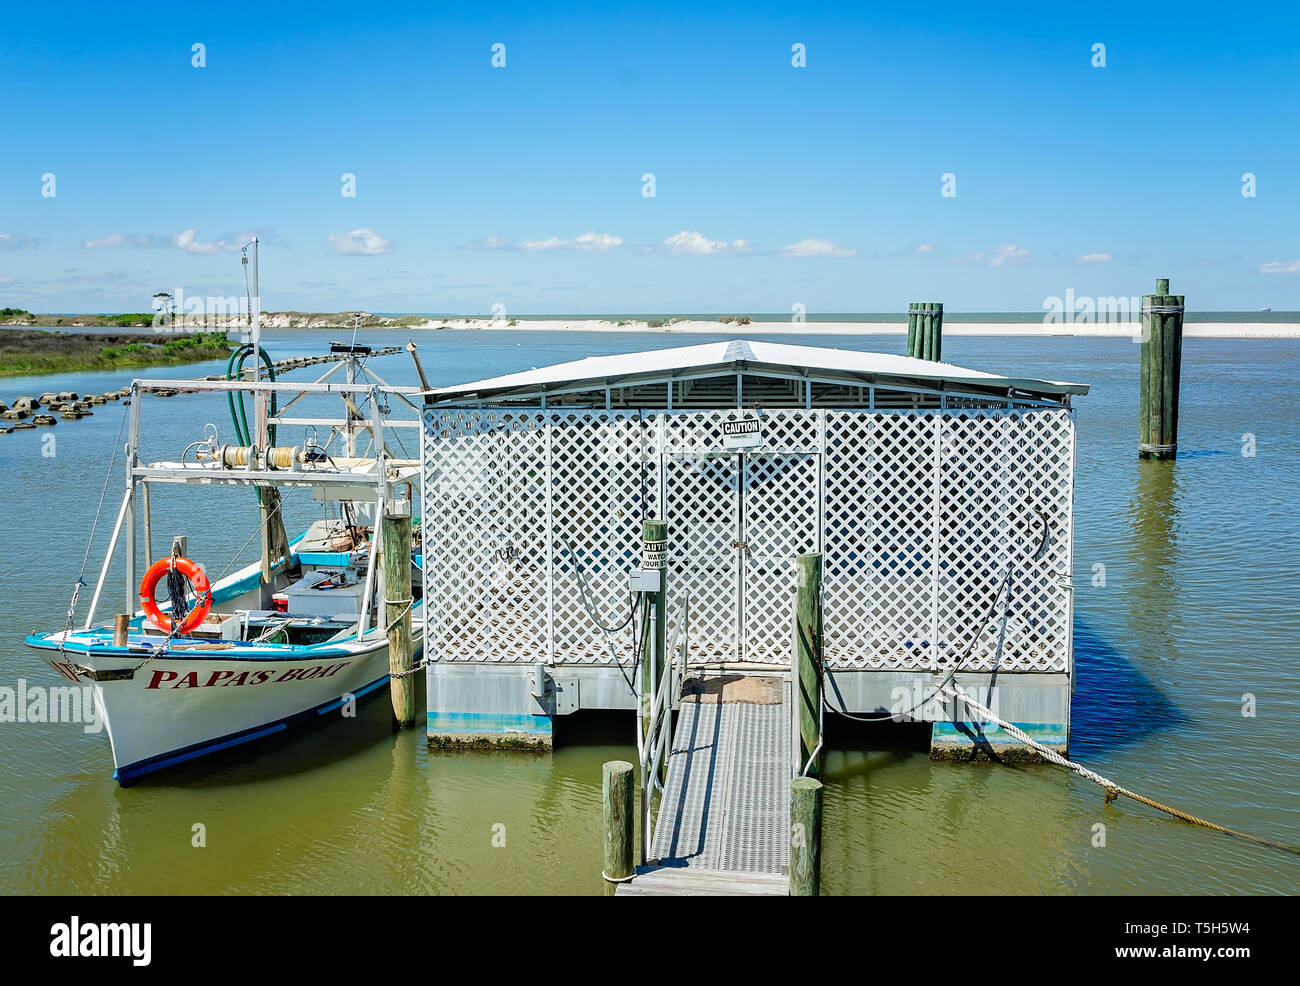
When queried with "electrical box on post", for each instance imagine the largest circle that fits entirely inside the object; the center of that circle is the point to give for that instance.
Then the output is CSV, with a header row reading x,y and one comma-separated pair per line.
x,y
645,580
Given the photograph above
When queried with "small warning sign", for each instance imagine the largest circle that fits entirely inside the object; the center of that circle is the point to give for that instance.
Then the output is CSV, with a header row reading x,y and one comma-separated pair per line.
x,y
654,554
742,433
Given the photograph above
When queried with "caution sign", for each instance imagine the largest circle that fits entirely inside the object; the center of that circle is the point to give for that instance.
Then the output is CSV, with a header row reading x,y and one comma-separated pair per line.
x,y
654,554
742,433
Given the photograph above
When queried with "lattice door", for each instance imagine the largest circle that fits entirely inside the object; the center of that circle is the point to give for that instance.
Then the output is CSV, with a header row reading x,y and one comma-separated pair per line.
x,y
702,502
779,522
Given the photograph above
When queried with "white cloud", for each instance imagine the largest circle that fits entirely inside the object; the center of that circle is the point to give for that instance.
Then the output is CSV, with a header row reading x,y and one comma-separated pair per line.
x,y
597,241
364,242
816,248
1008,253
491,243
1094,258
8,241
187,241
587,241
923,248
190,243
1278,267
123,239
690,241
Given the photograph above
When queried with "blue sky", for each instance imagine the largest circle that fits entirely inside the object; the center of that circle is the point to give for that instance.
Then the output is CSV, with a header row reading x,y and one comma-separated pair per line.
x,y
774,185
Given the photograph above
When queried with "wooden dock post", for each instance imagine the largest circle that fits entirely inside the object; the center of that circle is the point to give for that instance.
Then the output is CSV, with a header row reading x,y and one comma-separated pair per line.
x,y
395,556
805,837
925,330
654,545
616,796
121,626
1162,357
808,660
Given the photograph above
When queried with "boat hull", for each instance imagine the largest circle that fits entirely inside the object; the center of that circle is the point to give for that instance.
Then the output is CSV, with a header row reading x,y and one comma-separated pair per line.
x,y
167,709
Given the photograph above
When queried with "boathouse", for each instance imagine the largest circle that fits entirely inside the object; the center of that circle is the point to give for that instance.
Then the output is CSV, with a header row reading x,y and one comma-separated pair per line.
x,y
941,500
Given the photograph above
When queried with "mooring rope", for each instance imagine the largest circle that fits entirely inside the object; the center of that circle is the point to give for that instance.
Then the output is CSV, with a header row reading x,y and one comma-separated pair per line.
x,y
1113,790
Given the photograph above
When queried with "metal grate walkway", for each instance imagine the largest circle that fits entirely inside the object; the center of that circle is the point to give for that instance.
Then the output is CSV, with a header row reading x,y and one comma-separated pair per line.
x,y
725,805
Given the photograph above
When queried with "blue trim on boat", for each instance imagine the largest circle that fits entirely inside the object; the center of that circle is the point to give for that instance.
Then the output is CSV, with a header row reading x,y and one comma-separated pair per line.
x,y
131,772
333,559
143,648
329,707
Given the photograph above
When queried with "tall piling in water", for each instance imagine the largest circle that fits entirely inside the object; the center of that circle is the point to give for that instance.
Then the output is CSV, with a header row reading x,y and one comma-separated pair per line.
x,y
805,837
395,556
925,330
807,675
1161,369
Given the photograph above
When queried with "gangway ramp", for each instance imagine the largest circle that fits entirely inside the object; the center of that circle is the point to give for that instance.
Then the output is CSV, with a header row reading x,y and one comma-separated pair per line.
x,y
723,820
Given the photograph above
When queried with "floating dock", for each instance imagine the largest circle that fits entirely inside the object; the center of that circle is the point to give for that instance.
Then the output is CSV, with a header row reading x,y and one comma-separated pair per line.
x,y
926,487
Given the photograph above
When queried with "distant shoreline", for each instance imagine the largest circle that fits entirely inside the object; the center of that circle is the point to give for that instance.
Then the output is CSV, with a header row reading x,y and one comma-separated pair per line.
x,y
1213,325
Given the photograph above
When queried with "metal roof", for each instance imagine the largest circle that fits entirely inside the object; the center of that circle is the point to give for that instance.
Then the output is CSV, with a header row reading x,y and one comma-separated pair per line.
x,y
742,355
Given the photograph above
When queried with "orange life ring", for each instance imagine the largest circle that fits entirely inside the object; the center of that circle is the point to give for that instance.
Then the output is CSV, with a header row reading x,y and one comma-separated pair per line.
x,y
202,594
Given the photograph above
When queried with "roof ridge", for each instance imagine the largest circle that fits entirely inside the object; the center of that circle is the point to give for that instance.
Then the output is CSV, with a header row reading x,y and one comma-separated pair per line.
x,y
739,349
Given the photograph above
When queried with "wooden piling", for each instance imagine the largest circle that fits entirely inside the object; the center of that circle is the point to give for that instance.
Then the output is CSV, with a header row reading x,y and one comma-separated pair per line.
x,y
395,556
1160,373
654,537
121,626
925,330
808,659
616,797
805,837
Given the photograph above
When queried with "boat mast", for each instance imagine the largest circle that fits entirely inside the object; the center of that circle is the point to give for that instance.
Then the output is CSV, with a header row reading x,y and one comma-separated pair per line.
x,y
275,542
259,398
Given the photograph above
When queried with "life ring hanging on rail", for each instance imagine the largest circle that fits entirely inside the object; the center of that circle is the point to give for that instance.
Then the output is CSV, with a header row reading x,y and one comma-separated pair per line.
x,y
202,594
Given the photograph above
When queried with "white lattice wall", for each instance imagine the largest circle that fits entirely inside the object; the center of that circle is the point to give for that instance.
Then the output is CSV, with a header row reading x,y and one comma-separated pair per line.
x,y
918,515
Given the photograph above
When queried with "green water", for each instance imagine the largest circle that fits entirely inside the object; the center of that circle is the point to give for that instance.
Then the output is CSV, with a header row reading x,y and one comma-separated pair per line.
x,y
1199,608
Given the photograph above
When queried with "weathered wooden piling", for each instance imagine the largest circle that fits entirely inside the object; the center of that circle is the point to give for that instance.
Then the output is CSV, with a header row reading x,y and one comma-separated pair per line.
x,y
395,556
807,658
925,330
121,626
805,837
616,796
1161,370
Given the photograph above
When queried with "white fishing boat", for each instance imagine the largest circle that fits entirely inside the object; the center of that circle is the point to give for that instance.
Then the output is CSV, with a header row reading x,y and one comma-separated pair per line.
x,y
299,634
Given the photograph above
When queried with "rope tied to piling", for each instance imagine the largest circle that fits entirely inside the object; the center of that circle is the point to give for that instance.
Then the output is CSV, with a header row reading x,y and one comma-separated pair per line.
x,y
406,604
1113,790
1162,309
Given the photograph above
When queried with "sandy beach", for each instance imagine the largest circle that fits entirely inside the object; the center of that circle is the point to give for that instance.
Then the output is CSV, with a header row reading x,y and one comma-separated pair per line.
x,y
1191,329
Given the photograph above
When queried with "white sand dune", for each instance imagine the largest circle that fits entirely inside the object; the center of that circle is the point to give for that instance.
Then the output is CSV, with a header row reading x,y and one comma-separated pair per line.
x,y
1201,330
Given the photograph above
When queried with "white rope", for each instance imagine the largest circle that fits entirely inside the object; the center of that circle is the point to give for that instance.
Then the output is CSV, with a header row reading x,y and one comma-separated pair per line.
x,y
1113,790
406,605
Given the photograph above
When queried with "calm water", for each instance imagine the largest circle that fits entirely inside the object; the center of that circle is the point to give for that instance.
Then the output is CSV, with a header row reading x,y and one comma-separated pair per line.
x,y
1199,607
